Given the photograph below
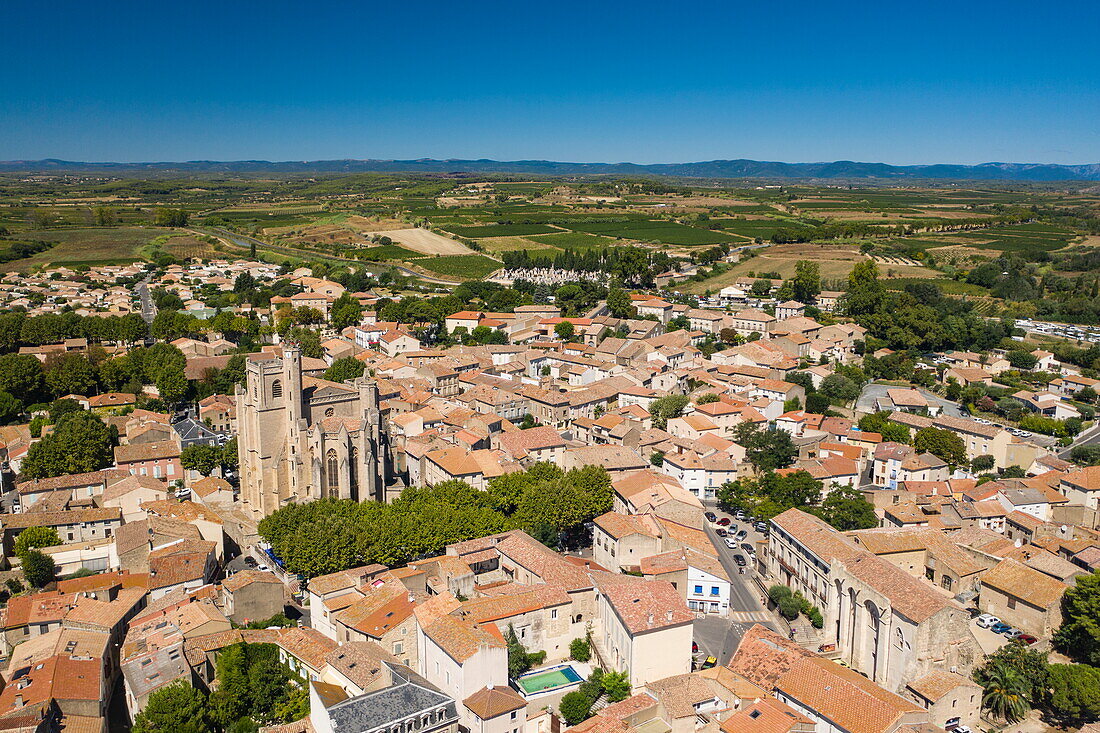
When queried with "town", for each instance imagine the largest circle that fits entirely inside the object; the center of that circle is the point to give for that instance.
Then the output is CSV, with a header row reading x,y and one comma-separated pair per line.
x,y
251,496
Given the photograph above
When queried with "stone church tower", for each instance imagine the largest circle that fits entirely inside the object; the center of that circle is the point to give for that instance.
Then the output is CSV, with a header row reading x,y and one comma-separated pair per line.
x,y
302,438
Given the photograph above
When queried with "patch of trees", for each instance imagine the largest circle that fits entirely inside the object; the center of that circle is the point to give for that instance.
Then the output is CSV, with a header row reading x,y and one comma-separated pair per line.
x,y
17,249
18,328
254,688
773,493
330,535
1016,679
629,264
902,322
767,449
80,442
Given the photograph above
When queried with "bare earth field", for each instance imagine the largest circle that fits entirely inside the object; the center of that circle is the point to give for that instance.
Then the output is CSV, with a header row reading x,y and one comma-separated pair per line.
x,y
425,242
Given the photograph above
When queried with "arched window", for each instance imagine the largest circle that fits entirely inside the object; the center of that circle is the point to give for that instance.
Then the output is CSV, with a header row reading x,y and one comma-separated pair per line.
x,y
353,468
332,469
277,388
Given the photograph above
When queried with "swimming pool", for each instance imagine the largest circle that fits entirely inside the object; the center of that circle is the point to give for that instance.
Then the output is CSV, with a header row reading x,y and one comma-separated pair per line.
x,y
549,679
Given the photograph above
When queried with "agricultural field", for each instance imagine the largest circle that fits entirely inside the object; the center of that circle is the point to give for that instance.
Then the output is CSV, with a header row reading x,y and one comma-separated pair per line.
x,y
187,246
663,232
496,245
501,230
834,260
461,267
387,252
426,242
574,240
88,247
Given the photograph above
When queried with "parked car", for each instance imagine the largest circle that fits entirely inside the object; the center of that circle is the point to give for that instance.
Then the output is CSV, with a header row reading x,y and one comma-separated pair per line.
x,y
250,561
742,534
711,517
721,532
999,628
740,515
748,548
694,647
724,521
986,620
761,527
263,568
974,613
1013,633
740,560
1026,639
710,662
731,543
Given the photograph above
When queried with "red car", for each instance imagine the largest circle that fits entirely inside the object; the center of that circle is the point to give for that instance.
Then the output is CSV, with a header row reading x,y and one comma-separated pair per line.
x,y
694,648
1026,639
721,532
724,522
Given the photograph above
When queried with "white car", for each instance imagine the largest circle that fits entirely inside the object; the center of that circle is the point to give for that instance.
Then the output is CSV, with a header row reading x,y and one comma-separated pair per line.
x,y
731,543
986,620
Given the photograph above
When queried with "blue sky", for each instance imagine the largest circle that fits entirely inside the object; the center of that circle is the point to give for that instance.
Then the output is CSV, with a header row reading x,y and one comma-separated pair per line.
x,y
897,82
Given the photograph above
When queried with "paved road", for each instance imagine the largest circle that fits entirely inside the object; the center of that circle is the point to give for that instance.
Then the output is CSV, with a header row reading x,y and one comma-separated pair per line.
x,y
148,308
720,637
1089,437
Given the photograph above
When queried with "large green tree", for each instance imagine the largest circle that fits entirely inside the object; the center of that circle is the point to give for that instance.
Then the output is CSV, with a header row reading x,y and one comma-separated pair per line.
x,y
201,458
38,568
806,283
1079,634
1074,693
71,374
665,408
766,449
33,538
175,708
1005,694
80,442
846,509
943,444
344,369
345,311
618,303
21,375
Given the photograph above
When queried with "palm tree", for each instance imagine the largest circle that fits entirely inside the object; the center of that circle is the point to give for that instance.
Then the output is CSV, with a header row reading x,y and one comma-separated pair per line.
x,y
1005,694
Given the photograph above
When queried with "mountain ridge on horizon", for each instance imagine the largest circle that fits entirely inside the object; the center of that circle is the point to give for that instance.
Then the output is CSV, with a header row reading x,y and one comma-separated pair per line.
x,y
733,169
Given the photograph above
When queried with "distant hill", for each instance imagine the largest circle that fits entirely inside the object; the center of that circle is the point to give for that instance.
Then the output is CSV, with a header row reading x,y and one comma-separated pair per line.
x,y
836,170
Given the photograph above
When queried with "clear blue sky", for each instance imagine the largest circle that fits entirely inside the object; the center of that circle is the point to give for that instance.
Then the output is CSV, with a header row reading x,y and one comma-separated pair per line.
x,y
967,81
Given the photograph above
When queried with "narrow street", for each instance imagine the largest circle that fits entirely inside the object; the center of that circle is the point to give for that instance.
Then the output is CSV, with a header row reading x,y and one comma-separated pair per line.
x,y
148,308
720,637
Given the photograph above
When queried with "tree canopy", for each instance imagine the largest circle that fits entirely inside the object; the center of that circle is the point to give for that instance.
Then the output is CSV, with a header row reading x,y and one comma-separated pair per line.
x,y
332,534
80,442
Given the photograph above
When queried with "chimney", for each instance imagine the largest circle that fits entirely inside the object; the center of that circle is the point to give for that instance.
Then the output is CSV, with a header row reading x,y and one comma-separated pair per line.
x,y
670,615
651,619
19,700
